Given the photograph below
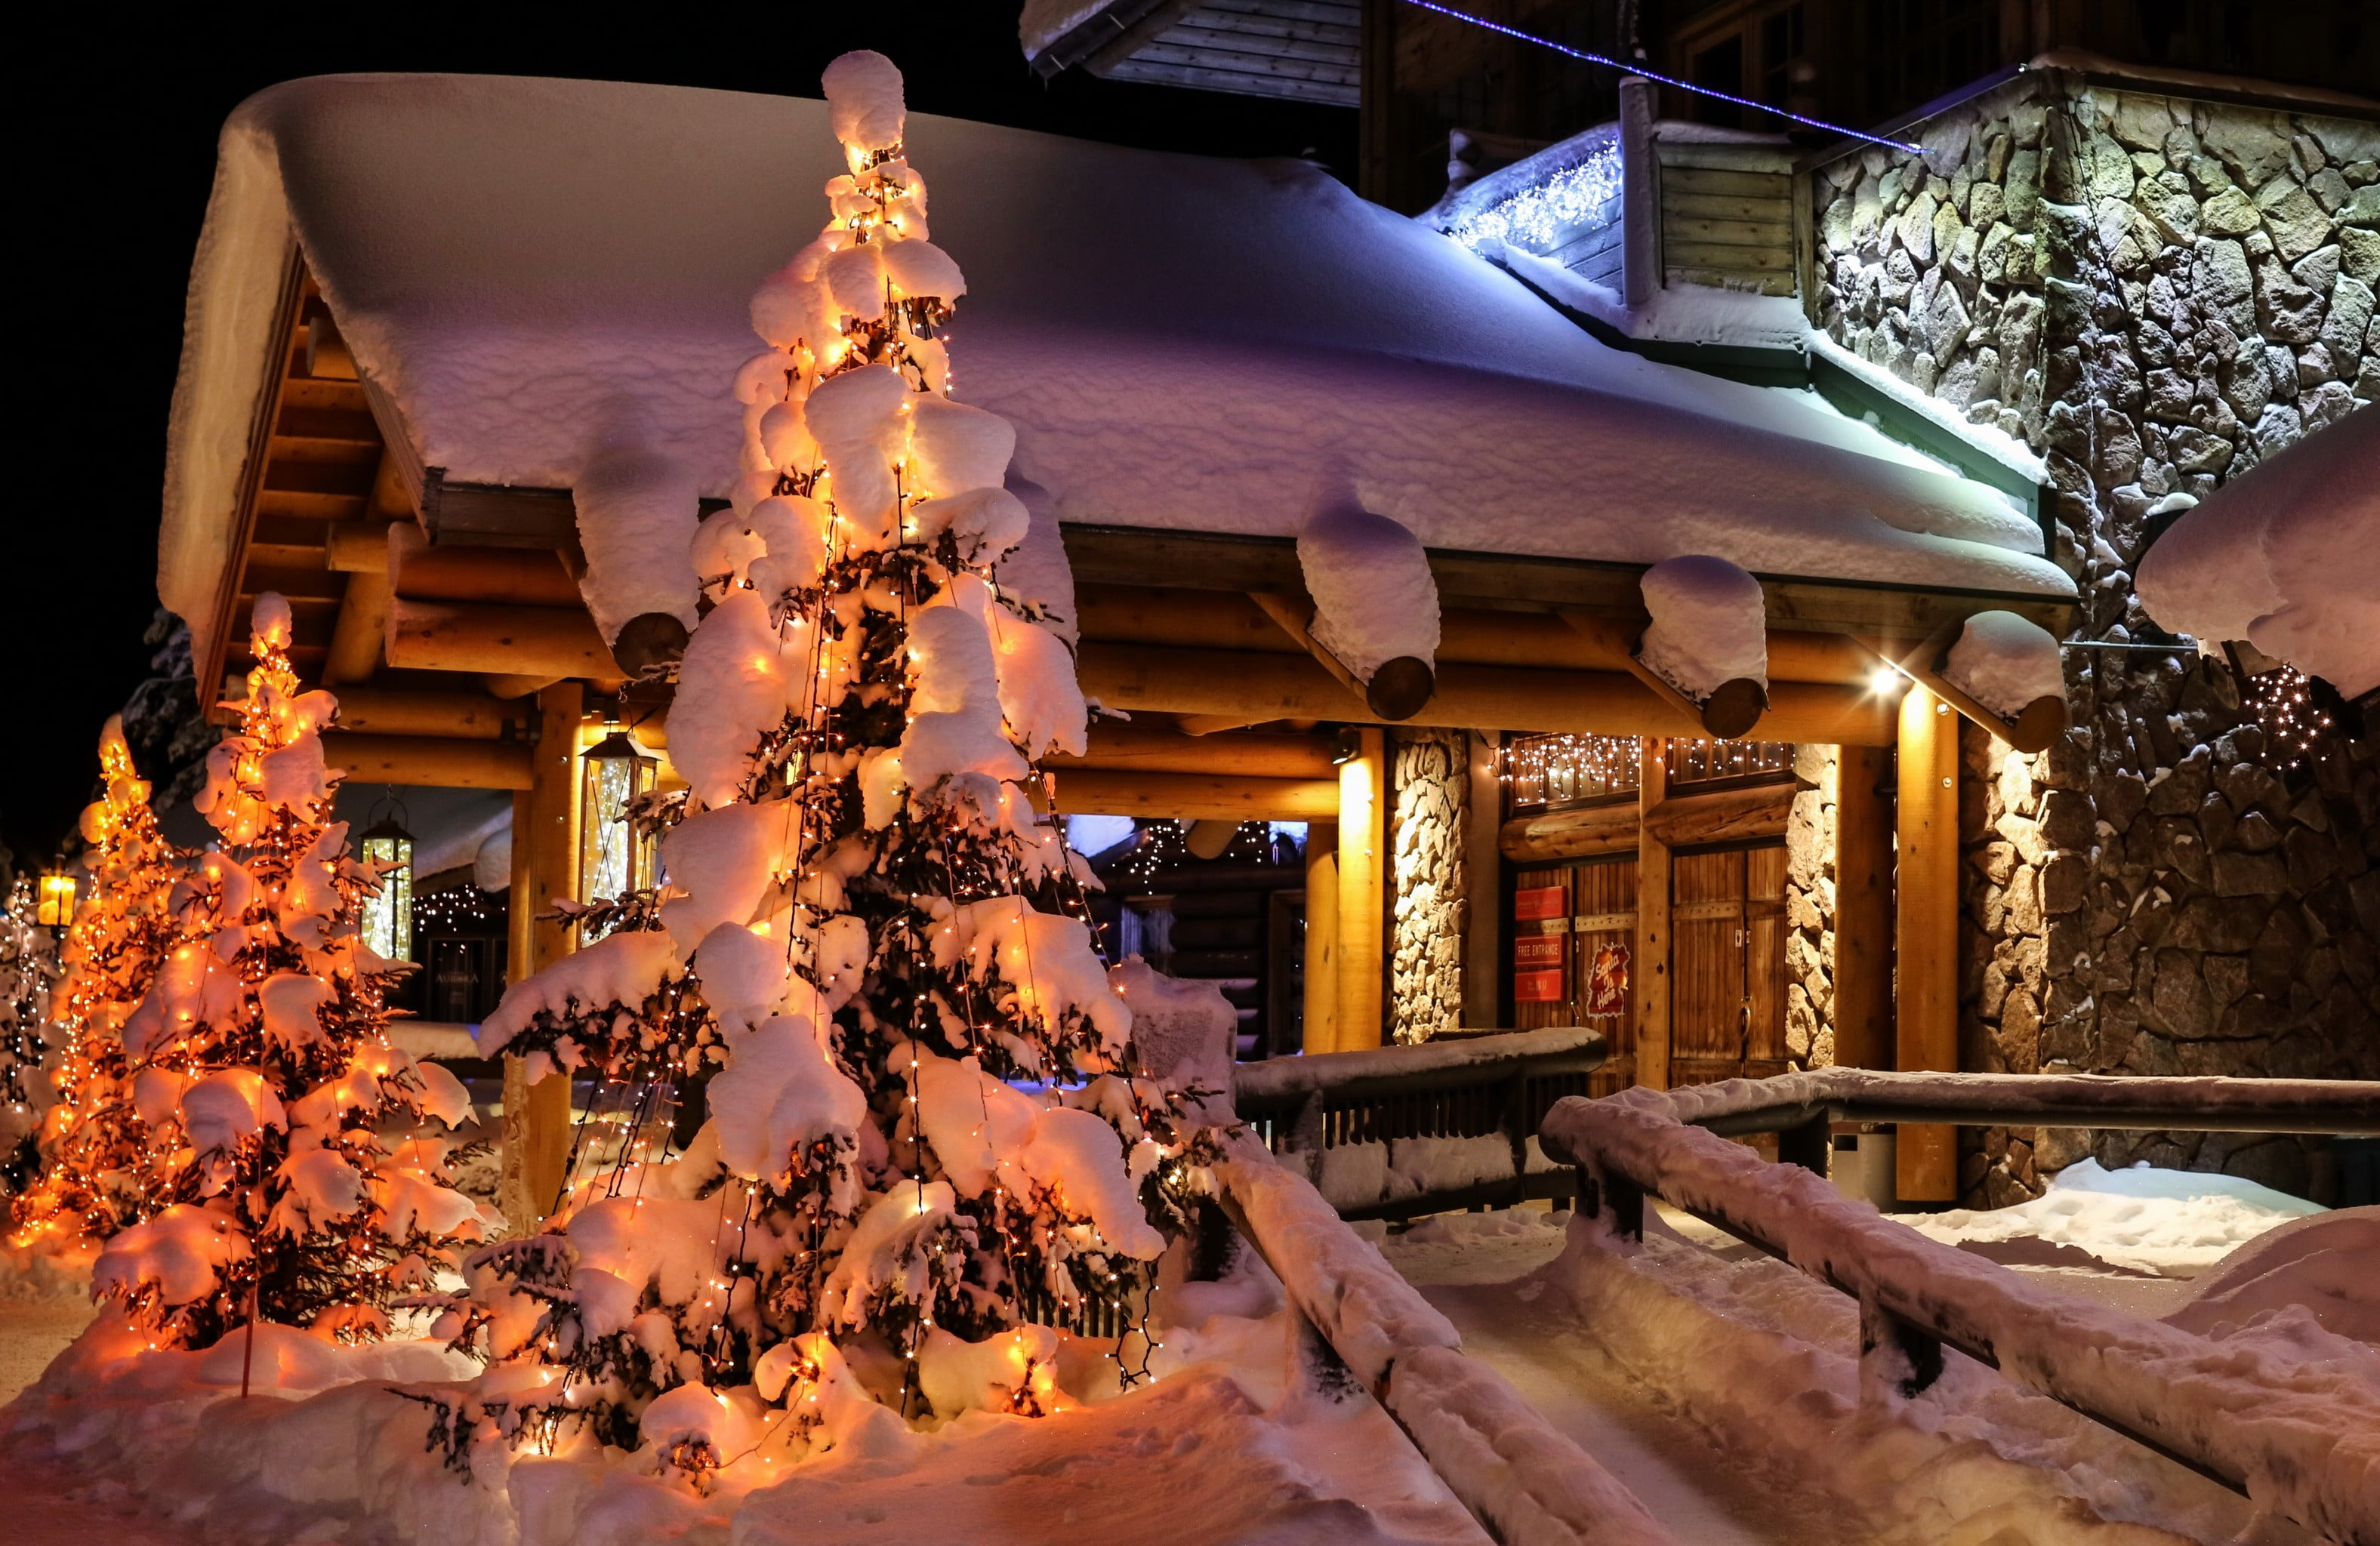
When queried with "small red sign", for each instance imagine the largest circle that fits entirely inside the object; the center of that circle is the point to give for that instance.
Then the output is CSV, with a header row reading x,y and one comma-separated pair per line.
x,y
1538,953
1606,981
1537,987
1531,903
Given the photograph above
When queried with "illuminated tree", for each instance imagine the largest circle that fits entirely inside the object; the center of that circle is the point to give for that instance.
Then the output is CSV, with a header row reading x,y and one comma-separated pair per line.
x,y
932,1135
27,970
260,1064
97,1157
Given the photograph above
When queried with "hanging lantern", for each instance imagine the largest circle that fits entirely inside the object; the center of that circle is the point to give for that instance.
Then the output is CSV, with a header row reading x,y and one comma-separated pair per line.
x,y
388,917
54,909
613,859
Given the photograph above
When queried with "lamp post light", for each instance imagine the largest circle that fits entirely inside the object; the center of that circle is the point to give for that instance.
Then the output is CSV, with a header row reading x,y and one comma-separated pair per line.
x,y
613,858
55,905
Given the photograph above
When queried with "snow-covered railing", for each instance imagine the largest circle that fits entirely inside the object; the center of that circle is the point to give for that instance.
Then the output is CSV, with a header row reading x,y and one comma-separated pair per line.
x,y
2294,1436
1399,1131
1527,1483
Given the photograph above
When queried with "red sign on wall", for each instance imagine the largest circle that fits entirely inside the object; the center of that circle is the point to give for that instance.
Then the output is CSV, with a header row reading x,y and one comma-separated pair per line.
x,y
1537,975
1534,903
1607,981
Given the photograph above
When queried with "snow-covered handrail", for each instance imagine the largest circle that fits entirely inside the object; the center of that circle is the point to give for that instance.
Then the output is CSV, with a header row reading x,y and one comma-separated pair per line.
x,y
1281,1083
2301,1438
1527,1483
2190,1103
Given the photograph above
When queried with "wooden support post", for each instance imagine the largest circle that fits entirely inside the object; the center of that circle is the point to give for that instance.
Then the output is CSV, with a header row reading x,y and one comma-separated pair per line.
x,y
1362,874
1862,908
545,871
1483,879
1927,1018
1321,1024
356,637
1652,965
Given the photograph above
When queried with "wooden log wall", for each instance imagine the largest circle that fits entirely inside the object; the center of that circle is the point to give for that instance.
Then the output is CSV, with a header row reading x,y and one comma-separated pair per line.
x,y
1726,215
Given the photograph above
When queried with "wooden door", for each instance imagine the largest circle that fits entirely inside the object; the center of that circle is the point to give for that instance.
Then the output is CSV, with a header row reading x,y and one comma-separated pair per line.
x,y
1727,1013
1606,892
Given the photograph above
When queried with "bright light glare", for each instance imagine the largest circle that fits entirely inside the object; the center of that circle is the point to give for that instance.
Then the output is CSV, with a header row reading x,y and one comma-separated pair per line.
x,y
1884,680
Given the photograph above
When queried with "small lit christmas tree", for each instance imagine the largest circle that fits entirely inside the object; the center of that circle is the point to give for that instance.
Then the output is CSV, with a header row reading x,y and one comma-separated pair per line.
x,y
28,967
96,1153
933,1135
260,1065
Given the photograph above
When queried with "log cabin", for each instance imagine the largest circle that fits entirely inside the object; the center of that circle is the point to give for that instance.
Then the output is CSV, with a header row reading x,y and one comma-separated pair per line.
x,y
420,303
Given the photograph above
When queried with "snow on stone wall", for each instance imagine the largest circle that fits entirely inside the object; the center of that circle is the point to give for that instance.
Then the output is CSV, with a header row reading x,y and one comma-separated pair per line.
x,y
2151,295
1427,827
1810,908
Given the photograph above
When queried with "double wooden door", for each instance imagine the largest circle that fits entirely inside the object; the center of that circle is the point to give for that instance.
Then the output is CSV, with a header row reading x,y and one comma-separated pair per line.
x,y
1726,962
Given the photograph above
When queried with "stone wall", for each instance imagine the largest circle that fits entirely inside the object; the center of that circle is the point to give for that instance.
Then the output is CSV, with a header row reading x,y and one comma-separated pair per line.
x,y
1431,779
2151,295
1810,908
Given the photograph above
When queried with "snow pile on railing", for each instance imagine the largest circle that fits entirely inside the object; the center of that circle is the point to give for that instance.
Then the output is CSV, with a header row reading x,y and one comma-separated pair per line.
x,y
2304,1437
1528,1484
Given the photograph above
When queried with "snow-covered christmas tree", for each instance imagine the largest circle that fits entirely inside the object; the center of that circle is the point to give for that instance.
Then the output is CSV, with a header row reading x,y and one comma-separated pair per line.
x,y
96,1157
28,967
933,1139
261,1066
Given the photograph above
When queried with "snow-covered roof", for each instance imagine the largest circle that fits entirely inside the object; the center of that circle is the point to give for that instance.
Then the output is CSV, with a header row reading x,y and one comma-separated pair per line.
x,y
523,265
2285,557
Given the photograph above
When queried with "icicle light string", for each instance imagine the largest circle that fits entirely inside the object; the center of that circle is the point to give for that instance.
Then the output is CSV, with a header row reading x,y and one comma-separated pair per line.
x,y
1632,67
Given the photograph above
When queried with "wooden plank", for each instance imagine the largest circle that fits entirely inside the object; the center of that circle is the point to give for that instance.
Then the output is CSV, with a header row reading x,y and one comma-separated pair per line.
x,y
1606,896
1328,93
1863,1020
1749,259
1926,1016
1699,179
1363,892
484,515
456,716
1318,40
1706,956
1651,970
1682,203
1685,234
1764,946
1193,796
1732,279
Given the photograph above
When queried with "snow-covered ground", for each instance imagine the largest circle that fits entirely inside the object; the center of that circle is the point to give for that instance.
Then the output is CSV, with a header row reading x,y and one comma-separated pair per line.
x,y
1242,1439
1722,1386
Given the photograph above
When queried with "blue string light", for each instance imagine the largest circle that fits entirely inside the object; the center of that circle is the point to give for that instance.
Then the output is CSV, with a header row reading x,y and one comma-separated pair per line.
x,y
1639,70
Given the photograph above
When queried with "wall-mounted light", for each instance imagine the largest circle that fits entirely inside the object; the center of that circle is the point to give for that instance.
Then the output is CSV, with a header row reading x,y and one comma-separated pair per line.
x,y
613,859
55,906
1348,746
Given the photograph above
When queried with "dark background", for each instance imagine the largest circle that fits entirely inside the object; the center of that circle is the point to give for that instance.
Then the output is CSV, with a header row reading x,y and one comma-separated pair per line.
x,y
116,118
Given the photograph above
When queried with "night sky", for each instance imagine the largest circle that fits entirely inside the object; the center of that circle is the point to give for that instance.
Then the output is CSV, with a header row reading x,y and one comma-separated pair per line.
x,y
117,117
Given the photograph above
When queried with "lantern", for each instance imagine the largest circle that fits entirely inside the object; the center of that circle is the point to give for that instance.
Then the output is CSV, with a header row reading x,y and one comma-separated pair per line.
x,y
613,858
55,906
388,917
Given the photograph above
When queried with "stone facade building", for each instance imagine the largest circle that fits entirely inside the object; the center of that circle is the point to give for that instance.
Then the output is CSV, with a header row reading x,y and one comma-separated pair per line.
x,y
2150,293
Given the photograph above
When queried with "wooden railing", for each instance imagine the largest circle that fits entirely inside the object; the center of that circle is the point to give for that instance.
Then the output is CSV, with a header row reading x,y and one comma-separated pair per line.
x,y
1501,1084
2277,1433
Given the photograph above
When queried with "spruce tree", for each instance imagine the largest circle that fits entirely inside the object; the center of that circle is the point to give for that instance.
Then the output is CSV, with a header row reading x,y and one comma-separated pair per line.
x,y
932,1142
97,1156
260,1063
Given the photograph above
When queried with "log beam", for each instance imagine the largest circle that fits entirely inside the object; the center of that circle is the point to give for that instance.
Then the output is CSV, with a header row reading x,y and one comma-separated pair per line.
x,y
1145,746
1193,796
457,715
432,761
501,577
360,634
357,547
1926,1017
496,640
1396,690
1678,821
2041,722
1258,688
